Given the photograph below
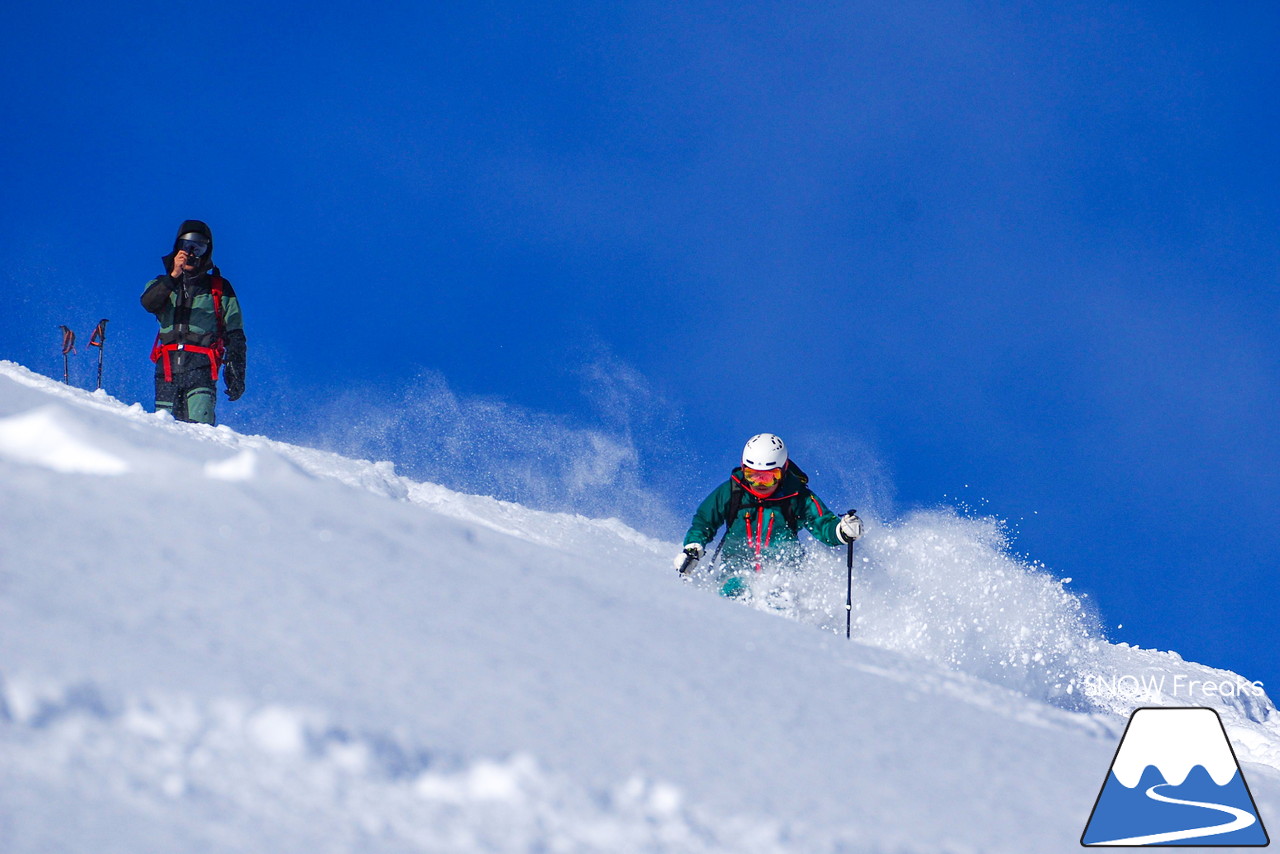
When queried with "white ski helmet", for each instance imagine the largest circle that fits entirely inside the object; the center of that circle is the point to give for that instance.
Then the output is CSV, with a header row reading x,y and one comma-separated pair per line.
x,y
763,452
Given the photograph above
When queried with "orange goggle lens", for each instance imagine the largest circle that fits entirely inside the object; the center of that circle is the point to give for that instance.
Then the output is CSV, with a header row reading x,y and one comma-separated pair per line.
x,y
762,478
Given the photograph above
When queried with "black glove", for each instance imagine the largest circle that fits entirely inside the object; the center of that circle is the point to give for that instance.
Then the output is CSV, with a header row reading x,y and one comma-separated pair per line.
x,y
234,377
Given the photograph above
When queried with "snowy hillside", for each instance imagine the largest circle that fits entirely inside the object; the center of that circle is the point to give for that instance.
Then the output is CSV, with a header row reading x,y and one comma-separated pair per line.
x,y
212,642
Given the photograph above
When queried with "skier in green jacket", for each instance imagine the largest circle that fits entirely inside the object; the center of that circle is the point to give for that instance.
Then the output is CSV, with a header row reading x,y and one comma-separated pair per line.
x,y
762,505
201,330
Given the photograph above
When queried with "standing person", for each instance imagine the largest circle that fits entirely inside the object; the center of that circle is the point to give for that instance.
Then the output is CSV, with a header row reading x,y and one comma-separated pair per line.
x,y
762,505
201,330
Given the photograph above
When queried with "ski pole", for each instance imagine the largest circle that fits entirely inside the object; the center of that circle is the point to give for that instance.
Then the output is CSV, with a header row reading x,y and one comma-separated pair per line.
x,y
68,346
848,600
98,339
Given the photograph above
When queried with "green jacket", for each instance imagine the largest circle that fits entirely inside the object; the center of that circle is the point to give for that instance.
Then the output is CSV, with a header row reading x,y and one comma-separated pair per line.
x,y
173,302
760,532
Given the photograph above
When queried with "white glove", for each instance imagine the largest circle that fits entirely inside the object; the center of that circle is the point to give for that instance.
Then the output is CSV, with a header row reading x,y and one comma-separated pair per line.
x,y
850,528
693,550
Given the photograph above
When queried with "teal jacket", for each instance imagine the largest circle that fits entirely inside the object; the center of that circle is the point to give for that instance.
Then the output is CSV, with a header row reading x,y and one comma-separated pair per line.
x,y
760,533
185,309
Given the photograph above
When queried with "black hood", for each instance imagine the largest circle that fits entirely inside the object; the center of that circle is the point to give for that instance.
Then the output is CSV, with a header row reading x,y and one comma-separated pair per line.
x,y
187,227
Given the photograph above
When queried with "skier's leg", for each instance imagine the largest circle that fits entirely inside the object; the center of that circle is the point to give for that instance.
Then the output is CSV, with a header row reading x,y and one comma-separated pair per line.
x,y
735,587
200,404
165,394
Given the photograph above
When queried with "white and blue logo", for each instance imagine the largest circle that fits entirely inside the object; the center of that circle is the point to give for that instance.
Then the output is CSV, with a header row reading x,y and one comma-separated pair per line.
x,y
1175,781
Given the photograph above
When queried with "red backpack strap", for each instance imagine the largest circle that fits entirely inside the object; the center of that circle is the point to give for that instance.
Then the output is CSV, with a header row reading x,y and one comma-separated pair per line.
x,y
216,289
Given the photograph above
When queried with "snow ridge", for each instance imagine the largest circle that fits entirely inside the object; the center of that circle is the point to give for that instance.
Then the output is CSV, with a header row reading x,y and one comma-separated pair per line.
x,y
352,660
39,438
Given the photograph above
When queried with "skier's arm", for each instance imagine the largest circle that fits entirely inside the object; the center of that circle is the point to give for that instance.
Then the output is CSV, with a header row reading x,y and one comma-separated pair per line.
x,y
156,296
820,521
232,320
235,342
234,364
709,516
233,324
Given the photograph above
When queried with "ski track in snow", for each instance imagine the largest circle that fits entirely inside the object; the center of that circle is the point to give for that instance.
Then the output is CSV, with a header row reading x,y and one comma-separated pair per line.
x,y
943,611
345,789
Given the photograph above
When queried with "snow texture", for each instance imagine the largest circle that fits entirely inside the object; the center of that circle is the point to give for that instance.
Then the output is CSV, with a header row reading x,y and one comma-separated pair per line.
x,y
213,642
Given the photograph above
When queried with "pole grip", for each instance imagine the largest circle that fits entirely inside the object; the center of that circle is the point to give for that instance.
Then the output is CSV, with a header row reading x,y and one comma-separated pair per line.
x,y
690,562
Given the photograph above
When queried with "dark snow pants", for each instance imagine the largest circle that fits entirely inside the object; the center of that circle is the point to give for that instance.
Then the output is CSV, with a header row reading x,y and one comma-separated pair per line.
x,y
189,397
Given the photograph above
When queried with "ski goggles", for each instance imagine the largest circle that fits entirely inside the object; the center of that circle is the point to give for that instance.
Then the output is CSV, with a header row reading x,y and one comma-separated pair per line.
x,y
194,248
768,477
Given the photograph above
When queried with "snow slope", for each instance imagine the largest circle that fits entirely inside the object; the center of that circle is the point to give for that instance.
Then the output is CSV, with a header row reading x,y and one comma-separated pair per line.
x,y
217,642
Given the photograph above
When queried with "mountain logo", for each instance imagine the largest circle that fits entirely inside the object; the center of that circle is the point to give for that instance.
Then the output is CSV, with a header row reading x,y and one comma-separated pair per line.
x,y
1175,781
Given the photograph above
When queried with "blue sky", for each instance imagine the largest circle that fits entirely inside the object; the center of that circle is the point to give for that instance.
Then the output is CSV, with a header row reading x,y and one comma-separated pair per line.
x,y
1017,256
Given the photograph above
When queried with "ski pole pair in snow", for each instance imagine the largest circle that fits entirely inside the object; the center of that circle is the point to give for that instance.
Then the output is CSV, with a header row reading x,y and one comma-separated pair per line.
x,y
98,339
